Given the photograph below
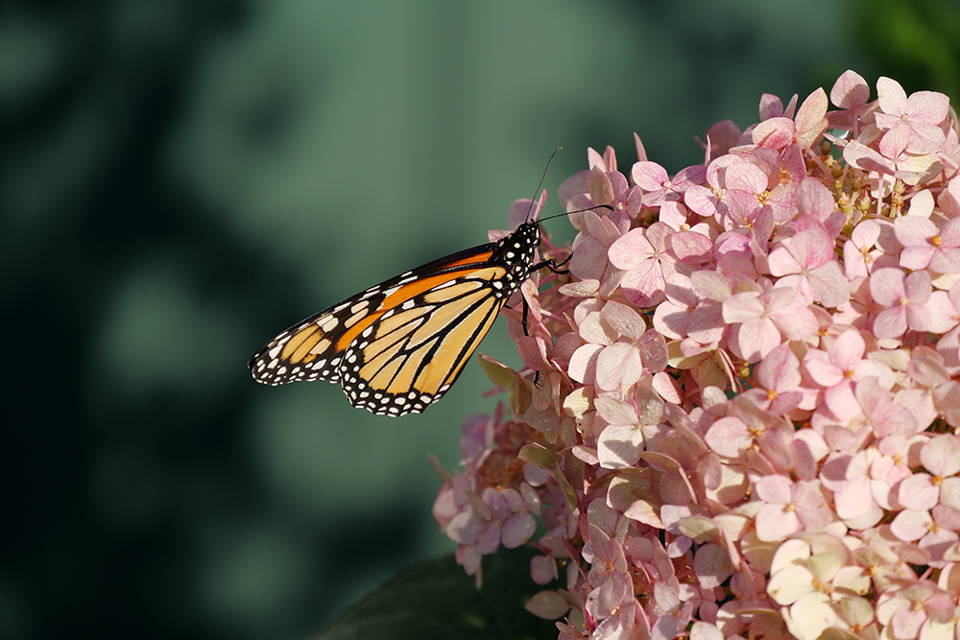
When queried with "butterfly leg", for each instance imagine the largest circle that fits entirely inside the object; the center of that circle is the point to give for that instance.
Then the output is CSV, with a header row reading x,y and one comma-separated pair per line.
x,y
526,314
553,265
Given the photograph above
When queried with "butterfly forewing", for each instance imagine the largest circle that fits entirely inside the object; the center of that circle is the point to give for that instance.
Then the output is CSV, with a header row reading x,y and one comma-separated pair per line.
x,y
398,346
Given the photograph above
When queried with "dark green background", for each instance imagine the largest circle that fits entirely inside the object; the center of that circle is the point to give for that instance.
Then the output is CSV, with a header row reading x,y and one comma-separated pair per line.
x,y
183,179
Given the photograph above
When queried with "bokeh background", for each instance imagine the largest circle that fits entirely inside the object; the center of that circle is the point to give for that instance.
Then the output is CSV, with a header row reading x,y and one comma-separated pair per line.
x,y
181,179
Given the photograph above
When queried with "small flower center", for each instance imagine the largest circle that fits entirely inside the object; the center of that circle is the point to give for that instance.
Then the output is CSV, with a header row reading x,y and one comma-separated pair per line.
x,y
771,394
936,241
848,374
904,301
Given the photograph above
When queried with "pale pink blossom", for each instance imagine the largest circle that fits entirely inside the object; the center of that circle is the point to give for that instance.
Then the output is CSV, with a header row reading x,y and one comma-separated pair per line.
x,y
905,298
736,415
926,245
910,124
764,320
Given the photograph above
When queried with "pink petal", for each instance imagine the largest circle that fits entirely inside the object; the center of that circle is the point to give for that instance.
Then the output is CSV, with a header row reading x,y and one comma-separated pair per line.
x,y
671,320
691,247
928,107
770,106
774,488
947,398
945,260
543,569
811,117
638,144
630,250
711,285
619,446
847,350
916,257
775,522
821,370
891,96
813,198
643,285
890,323
949,199
701,200
517,530
589,260
910,524
918,492
841,400
886,286
906,622
854,500
582,365
775,133
728,437
618,365
615,412
941,456
742,307
623,319
914,230
895,140
649,176
601,190
830,286
721,136
917,287
688,177
950,233
864,157
757,338
796,321
850,90
779,370
592,329
745,176
782,262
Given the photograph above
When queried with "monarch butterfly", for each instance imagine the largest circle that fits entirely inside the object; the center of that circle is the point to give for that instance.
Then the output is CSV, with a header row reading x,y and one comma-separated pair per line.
x,y
397,347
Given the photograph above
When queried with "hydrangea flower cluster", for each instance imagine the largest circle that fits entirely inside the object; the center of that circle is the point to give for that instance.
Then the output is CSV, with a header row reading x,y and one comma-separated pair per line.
x,y
737,414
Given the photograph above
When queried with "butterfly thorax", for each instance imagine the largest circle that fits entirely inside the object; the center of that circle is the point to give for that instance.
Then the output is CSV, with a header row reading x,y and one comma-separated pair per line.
x,y
516,253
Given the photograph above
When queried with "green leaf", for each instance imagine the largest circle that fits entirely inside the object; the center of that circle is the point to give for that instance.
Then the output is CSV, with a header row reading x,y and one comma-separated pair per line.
x,y
436,600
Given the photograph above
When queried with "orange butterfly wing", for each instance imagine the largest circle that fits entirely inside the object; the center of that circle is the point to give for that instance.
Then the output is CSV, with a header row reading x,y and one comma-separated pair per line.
x,y
398,346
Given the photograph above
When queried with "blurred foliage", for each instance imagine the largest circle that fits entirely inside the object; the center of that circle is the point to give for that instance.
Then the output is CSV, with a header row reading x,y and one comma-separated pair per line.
x,y
183,179
435,600
916,42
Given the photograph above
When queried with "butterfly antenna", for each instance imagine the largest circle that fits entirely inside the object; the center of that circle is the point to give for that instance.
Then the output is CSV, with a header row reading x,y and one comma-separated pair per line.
x,y
536,192
560,215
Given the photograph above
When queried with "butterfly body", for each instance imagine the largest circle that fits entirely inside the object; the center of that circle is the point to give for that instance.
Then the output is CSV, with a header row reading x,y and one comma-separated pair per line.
x,y
398,346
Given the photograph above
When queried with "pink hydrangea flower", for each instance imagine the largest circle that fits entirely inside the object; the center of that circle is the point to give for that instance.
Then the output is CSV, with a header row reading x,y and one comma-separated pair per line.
x,y
924,245
736,416
910,124
904,298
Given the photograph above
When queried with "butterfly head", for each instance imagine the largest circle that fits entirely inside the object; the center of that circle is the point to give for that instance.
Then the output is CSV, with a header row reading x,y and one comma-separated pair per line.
x,y
517,252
